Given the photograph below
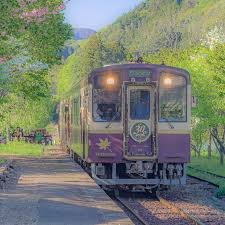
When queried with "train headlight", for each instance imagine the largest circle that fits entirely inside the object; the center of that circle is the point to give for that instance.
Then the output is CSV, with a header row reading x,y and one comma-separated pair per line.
x,y
167,81
110,81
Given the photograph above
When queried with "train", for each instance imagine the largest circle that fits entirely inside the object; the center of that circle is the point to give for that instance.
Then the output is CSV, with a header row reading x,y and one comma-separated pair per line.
x,y
129,125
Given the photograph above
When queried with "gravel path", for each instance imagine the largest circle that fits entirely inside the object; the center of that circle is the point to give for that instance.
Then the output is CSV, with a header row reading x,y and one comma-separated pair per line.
x,y
53,190
197,198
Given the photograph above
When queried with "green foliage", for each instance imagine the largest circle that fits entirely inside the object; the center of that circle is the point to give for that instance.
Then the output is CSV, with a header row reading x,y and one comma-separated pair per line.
x,y
44,40
29,46
221,191
157,24
210,178
209,165
66,74
20,112
91,54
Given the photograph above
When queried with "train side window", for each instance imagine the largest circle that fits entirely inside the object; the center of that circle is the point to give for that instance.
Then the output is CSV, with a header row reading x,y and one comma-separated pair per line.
x,y
76,111
172,98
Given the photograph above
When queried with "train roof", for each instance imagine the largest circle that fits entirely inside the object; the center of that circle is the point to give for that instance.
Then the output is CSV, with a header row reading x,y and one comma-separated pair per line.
x,y
114,67
154,67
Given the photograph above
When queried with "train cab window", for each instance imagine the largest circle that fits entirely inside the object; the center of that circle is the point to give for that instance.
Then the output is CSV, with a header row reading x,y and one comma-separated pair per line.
x,y
107,97
172,98
106,105
139,104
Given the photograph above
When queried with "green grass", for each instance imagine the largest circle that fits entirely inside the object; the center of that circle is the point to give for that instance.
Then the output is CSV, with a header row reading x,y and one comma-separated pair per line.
x,y
209,165
20,149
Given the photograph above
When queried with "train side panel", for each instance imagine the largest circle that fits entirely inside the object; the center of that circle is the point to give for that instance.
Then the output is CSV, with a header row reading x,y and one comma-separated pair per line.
x,y
76,144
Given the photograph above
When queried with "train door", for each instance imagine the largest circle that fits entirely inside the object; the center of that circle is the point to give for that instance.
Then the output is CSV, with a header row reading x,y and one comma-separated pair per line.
x,y
139,121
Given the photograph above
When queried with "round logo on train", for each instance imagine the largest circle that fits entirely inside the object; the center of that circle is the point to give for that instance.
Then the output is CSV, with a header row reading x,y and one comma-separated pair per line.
x,y
140,132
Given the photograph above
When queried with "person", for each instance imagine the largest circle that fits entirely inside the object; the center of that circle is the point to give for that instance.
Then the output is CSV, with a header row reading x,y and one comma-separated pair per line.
x,y
141,110
108,113
38,137
99,115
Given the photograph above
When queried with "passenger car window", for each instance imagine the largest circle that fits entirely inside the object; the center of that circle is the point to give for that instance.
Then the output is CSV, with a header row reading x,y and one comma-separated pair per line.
x,y
172,98
139,104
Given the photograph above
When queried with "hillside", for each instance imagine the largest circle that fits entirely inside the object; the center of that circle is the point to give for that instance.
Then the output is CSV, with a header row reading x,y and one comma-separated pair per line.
x,y
157,24
151,27
70,46
83,33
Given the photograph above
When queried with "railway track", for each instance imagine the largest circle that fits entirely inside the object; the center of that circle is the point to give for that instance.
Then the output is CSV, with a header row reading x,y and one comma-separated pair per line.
x,y
203,171
147,210
180,211
203,180
131,211
198,202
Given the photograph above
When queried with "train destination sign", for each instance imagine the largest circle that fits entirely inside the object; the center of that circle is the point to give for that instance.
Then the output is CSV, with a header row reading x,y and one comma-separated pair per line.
x,y
140,73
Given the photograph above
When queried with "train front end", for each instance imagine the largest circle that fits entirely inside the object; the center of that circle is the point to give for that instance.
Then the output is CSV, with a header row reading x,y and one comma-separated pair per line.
x,y
139,125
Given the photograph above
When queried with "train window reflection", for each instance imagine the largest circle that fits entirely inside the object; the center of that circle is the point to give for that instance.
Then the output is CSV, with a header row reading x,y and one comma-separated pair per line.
x,y
139,104
172,98
106,105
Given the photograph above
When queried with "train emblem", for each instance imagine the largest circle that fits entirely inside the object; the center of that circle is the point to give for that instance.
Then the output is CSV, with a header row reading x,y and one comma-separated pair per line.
x,y
104,144
140,132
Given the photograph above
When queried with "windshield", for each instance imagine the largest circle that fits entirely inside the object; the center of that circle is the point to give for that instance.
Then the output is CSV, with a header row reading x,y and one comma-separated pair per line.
x,y
106,105
139,104
172,98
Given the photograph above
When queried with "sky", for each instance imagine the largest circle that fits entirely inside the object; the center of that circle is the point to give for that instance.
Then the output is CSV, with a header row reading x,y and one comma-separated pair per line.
x,y
95,14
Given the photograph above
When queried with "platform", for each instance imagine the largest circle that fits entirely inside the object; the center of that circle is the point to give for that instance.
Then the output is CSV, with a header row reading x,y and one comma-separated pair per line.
x,y
55,191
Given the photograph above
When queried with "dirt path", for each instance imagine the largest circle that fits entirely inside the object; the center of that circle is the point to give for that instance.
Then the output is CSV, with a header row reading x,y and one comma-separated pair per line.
x,y
55,191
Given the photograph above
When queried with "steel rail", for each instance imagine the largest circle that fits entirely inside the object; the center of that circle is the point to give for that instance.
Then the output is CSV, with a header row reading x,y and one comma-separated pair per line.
x,y
203,171
183,213
203,180
187,216
192,219
133,212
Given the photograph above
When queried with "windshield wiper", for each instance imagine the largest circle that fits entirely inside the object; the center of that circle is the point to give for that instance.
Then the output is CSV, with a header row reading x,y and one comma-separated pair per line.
x,y
110,122
170,124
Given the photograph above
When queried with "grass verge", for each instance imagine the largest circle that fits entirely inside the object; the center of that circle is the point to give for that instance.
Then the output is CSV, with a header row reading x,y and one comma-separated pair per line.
x,y
20,149
208,165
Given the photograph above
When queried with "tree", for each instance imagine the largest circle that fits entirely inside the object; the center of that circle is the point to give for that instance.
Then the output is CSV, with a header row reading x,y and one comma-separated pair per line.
x,y
199,136
217,122
206,66
32,32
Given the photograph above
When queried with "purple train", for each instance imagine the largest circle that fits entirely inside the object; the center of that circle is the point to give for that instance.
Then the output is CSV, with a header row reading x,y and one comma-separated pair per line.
x,y
129,125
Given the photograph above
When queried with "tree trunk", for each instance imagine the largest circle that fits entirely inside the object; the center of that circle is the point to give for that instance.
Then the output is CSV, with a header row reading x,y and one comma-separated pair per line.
x,y
210,146
219,142
7,135
221,158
